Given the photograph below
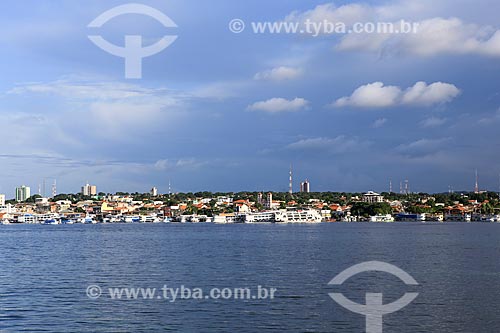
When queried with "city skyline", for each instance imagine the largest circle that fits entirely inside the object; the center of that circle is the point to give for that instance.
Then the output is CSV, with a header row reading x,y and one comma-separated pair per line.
x,y
233,114
303,187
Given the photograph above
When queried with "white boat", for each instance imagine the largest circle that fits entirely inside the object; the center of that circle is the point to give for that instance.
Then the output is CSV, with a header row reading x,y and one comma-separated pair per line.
x,y
87,220
298,216
382,218
281,216
223,219
132,219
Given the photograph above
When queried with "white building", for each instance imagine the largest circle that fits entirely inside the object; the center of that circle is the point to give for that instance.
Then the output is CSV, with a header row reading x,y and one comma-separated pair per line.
x,y
89,190
269,201
372,197
23,193
305,186
154,192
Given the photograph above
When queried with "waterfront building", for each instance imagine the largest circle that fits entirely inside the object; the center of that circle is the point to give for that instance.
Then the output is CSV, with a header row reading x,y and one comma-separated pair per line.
x,y
23,193
305,186
89,190
372,197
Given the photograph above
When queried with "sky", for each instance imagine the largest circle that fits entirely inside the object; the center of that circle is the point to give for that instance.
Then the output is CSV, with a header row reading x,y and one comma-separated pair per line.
x,y
224,111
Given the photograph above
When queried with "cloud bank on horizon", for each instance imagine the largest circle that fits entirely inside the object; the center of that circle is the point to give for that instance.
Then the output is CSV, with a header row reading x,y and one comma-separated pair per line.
x,y
227,112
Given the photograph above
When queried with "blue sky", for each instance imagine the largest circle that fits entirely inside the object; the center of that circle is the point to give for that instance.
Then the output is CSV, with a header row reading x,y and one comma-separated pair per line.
x,y
227,112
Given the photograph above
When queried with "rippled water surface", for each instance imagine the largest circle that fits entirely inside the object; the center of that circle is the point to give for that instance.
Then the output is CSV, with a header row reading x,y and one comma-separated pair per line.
x,y
45,271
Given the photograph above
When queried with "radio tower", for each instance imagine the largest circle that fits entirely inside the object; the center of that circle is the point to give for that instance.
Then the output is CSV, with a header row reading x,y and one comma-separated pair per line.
x,y
390,186
290,189
54,188
476,188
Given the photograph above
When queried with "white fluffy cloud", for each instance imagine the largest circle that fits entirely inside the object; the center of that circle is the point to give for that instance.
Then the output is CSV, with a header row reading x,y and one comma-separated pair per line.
x,y
276,105
435,34
282,73
423,94
371,95
377,95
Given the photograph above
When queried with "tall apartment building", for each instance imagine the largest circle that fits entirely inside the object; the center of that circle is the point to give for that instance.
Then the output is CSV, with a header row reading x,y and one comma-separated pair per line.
x,y
22,193
89,190
305,186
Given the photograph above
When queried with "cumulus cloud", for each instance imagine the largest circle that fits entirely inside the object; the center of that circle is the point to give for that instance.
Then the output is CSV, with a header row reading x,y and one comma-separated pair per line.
x,y
433,36
337,145
371,95
423,94
282,73
378,95
276,105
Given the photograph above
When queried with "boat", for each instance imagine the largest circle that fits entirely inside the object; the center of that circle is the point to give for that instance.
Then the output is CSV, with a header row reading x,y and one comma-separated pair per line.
x,y
281,216
87,220
67,221
382,218
405,217
298,216
132,219
51,222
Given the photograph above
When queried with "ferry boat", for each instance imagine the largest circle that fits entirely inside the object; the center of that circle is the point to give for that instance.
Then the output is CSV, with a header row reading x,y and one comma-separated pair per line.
x,y
150,219
48,218
281,216
260,217
223,219
27,218
298,216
